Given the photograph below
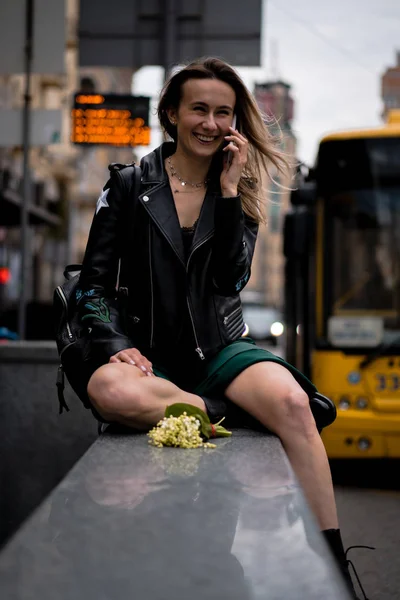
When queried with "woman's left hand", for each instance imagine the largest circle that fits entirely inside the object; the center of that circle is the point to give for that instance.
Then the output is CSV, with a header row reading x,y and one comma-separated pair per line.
x,y
232,171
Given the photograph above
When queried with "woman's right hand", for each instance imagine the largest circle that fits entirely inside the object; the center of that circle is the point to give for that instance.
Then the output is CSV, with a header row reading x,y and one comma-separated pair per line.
x,y
132,356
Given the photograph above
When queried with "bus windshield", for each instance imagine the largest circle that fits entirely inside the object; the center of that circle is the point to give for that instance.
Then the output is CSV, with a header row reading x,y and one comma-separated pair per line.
x,y
359,180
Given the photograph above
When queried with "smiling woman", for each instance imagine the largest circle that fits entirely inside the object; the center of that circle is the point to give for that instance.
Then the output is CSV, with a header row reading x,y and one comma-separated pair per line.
x,y
197,108
181,248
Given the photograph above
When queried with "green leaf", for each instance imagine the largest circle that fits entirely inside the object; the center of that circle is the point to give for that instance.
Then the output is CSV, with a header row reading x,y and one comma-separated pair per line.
x,y
222,432
206,429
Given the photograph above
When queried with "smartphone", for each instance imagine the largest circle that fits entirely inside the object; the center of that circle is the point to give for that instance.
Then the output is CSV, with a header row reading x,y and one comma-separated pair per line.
x,y
230,153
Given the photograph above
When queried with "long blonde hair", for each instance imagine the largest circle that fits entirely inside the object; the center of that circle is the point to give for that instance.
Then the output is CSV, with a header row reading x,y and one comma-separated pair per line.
x,y
263,147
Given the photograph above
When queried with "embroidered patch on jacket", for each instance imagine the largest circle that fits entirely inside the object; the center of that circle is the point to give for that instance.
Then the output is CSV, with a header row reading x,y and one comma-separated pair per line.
x,y
102,200
242,282
99,311
79,294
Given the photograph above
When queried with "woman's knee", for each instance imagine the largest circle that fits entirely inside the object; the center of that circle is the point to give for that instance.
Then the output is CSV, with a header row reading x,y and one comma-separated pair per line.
x,y
296,415
112,387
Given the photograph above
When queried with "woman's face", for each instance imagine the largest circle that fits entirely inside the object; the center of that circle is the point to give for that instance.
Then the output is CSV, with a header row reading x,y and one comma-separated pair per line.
x,y
204,116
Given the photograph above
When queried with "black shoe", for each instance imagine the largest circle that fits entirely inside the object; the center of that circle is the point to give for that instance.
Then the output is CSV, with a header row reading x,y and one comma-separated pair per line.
x,y
346,573
334,540
216,408
323,410
219,407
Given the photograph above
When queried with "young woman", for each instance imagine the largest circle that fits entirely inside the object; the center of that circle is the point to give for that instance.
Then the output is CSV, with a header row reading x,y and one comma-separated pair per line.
x,y
181,253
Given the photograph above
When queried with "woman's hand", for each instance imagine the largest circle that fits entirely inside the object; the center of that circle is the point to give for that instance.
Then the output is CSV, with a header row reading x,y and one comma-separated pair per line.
x,y
232,172
132,356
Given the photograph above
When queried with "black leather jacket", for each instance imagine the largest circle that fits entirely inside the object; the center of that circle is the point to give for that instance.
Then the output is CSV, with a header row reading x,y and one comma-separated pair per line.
x,y
140,240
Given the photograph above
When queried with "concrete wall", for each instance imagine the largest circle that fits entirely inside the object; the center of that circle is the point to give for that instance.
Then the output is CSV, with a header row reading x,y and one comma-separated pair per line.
x,y
37,445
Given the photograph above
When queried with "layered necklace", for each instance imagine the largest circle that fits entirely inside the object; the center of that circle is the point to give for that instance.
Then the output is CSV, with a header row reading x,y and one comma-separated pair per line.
x,y
184,182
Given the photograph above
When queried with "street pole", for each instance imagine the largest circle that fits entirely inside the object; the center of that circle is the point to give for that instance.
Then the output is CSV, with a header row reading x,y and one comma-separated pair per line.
x,y
170,41
29,8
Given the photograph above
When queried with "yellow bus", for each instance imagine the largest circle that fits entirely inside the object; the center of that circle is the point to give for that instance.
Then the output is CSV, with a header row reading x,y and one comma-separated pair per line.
x,y
342,287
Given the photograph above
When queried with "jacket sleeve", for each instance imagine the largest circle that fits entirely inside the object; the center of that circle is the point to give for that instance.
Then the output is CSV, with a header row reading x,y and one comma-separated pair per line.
x,y
234,241
96,292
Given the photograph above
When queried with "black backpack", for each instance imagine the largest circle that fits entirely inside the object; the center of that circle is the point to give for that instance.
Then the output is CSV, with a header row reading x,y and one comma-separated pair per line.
x,y
68,332
68,329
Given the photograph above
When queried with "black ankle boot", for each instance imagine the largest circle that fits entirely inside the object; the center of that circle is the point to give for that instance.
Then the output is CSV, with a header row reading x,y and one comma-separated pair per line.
x,y
335,543
216,408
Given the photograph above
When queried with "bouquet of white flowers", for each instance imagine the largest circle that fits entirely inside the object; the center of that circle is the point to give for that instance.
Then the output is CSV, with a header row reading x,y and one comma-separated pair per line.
x,y
186,426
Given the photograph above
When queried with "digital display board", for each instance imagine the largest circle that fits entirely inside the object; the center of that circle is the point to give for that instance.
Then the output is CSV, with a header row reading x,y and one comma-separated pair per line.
x,y
110,119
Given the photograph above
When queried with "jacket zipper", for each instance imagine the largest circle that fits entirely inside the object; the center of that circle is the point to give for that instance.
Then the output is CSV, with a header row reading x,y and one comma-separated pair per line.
x,y
226,319
198,349
151,292
64,301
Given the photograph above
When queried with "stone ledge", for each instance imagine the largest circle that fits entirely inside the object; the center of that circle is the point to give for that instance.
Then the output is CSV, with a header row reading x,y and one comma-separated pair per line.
x,y
29,352
134,521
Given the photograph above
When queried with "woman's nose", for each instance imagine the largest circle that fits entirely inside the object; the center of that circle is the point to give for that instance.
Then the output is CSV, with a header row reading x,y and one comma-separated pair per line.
x,y
209,122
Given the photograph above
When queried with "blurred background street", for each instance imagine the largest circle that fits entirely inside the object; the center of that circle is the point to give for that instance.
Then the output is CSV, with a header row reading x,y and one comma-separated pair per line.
x,y
79,84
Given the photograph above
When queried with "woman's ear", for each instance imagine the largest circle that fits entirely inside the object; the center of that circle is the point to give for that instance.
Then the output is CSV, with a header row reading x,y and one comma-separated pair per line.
x,y
171,114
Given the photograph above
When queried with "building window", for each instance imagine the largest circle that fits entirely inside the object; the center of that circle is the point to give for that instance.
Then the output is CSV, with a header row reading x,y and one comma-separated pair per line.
x,y
51,96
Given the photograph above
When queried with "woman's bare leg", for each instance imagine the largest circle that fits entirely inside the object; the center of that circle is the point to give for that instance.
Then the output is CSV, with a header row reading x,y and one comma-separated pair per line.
x,y
270,393
123,394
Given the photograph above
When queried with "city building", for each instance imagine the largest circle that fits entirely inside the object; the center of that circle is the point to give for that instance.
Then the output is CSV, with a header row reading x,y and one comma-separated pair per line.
x,y
390,88
266,284
66,182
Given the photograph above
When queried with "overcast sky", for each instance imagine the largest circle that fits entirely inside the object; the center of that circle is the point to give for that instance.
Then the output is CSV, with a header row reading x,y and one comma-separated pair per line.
x,y
331,53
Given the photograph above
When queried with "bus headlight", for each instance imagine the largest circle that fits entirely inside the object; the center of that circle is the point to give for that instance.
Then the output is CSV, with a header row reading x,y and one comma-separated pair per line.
x,y
362,403
344,403
277,329
364,444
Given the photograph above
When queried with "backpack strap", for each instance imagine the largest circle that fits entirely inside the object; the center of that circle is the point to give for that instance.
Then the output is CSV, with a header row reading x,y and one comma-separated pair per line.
x,y
60,383
131,176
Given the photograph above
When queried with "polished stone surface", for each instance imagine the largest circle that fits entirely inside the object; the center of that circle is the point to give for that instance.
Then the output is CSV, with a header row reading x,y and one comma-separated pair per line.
x,y
135,522
37,445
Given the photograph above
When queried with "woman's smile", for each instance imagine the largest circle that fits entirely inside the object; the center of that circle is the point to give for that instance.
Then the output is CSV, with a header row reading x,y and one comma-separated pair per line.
x,y
205,139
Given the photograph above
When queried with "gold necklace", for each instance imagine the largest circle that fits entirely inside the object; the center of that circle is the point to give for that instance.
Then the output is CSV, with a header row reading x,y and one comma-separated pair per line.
x,y
174,173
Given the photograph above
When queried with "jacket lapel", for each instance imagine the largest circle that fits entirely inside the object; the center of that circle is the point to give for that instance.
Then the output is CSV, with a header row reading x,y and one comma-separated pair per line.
x,y
205,225
160,205
158,201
